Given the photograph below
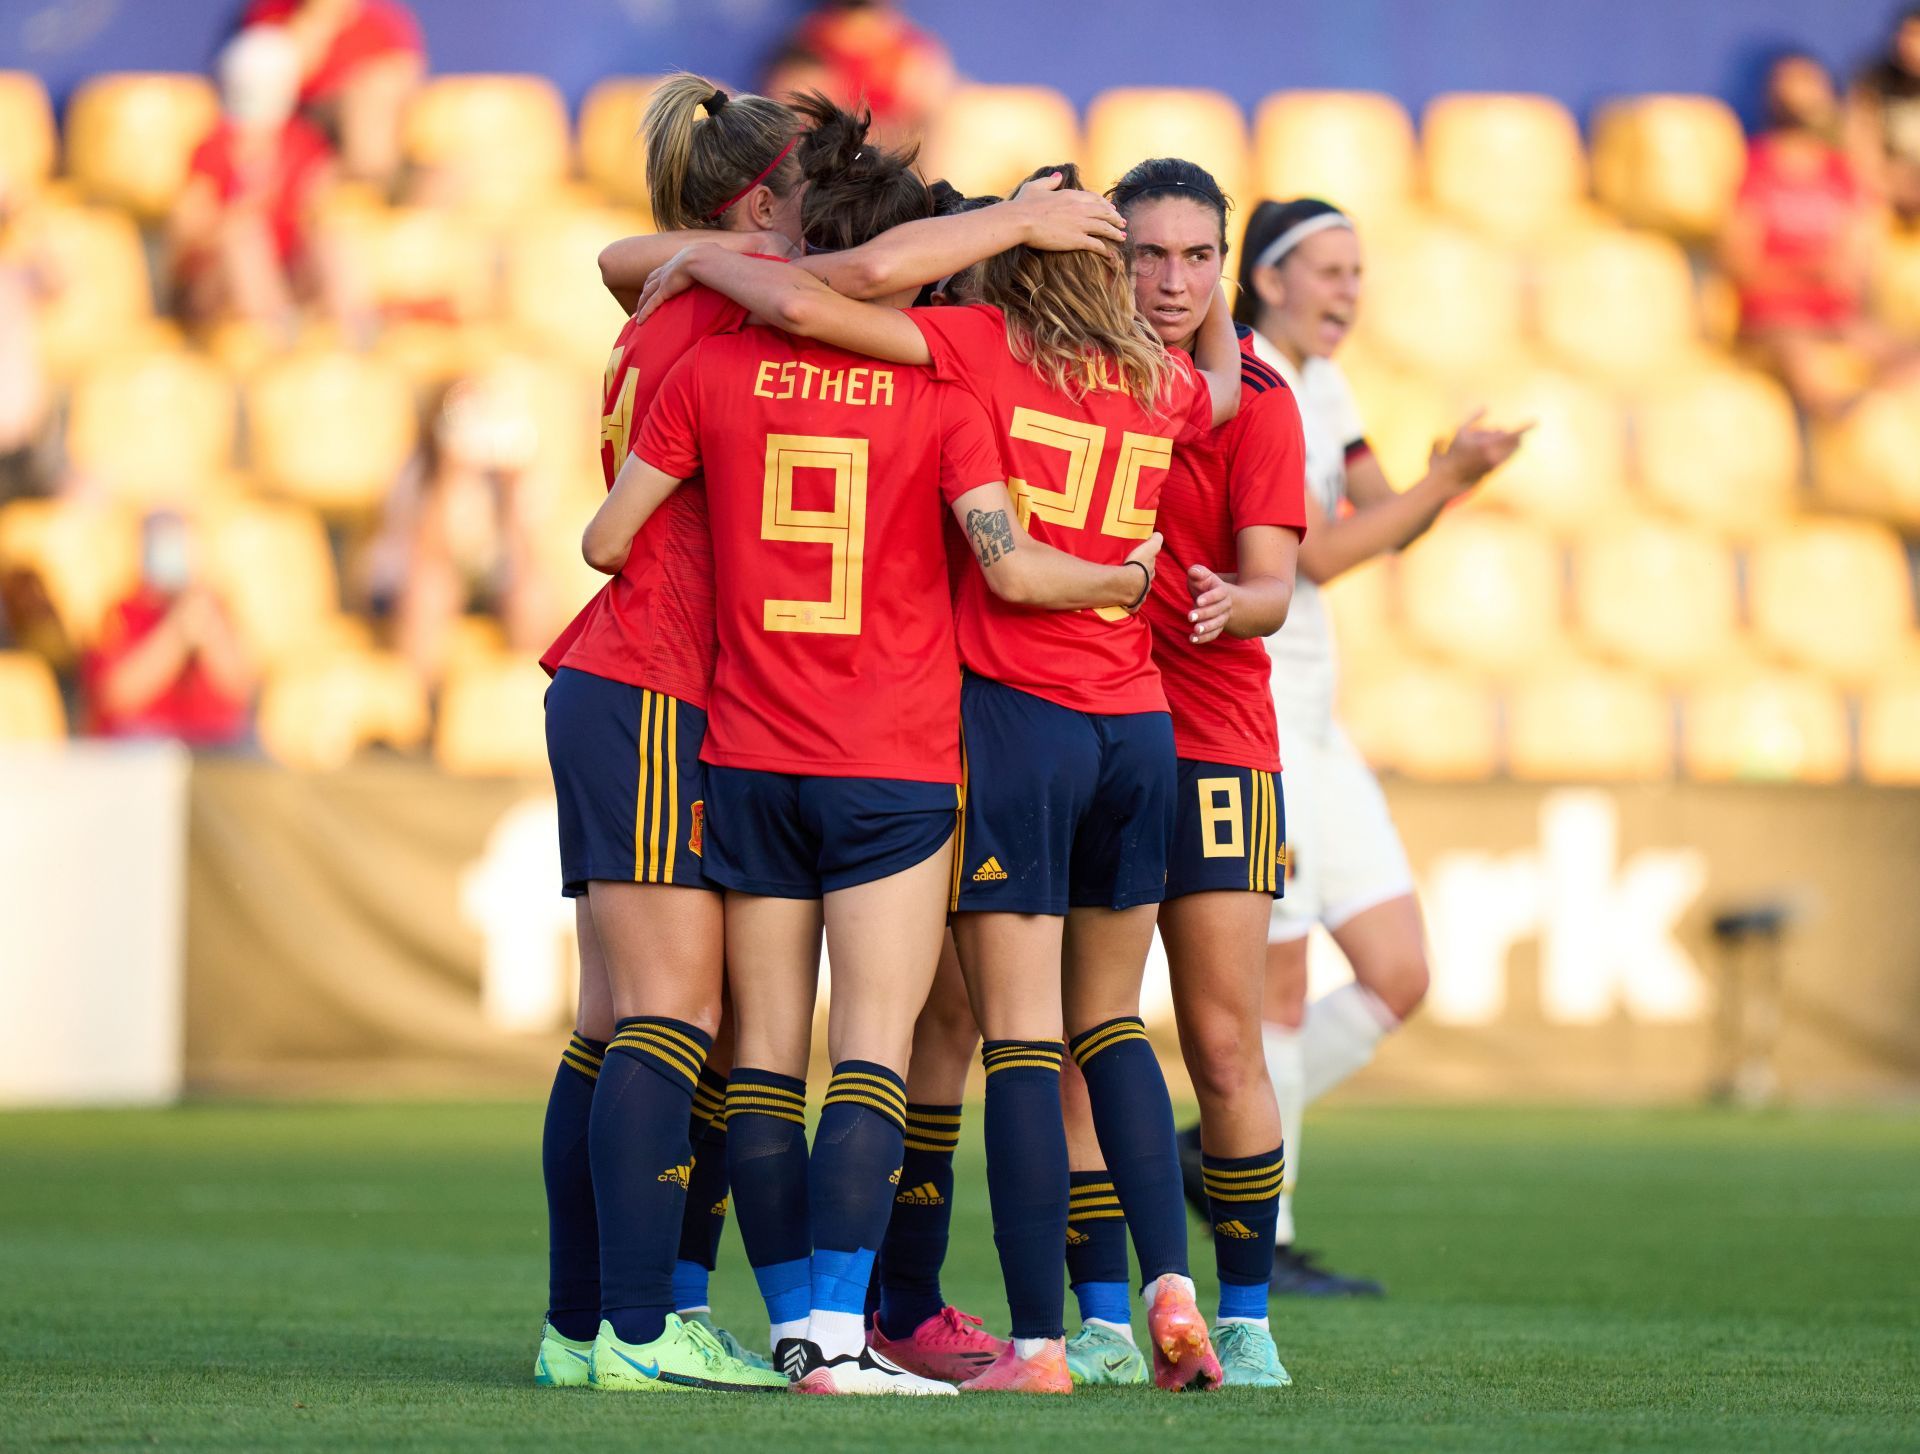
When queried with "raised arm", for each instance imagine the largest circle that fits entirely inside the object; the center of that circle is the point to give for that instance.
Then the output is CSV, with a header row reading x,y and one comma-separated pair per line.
x,y
1216,353
638,490
626,265
793,300
1026,572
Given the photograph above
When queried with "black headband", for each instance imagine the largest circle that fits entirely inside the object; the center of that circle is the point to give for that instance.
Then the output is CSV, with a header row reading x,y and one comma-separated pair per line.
x,y
1123,195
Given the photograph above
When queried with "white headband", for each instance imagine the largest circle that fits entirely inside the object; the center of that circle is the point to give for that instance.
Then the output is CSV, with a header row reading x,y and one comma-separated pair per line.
x,y
1287,241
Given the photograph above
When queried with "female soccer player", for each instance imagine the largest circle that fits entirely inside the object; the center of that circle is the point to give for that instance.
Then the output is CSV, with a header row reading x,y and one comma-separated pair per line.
x,y
832,749
1233,513
1070,773
1299,288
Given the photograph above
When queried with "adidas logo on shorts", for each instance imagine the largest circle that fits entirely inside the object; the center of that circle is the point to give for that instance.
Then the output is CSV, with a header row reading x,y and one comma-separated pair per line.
x,y
678,1175
1240,1231
989,871
924,1195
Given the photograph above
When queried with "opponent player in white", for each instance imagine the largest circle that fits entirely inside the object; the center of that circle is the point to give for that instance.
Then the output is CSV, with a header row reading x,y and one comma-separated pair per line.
x,y
1299,289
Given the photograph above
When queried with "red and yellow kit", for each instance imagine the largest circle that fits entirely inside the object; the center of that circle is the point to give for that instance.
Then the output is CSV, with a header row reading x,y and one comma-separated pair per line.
x,y
829,476
1086,476
652,624
1250,471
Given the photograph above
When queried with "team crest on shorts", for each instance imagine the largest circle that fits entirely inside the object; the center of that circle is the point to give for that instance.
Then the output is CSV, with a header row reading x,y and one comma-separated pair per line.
x,y
697,833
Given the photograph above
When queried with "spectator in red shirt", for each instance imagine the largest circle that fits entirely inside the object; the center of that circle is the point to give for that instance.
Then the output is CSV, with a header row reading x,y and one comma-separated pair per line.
x,y
1884,119
1799,247
168,662
242,235
361,60
866,55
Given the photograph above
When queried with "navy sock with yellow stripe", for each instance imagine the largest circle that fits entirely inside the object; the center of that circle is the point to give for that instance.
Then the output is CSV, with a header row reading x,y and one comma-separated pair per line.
x,y
573,1232
1097,1247
706,1215
641,1166
851,1180
1133,1118
916,1242
1027,1181
767,1162
1243,1197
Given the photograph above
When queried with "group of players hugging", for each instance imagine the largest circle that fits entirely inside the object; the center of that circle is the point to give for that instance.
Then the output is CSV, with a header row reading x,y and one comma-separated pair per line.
x,y
942,535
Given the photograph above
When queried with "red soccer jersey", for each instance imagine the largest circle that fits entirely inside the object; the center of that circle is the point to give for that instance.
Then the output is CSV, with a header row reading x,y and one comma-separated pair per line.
x,y
284,188
1250,471
376,29
1085,476
193,707
652,624
828,479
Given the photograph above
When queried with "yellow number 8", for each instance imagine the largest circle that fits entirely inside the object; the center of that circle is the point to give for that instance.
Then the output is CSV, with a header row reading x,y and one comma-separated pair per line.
x,y
843,528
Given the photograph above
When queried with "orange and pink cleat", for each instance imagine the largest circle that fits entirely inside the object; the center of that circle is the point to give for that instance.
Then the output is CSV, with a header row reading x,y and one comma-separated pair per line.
x,y
1183,1355
1045,1372
950,1345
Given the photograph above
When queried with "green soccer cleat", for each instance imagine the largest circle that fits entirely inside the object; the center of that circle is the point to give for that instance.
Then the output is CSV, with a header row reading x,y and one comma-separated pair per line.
x,y
561,1362
1099,1357
684,1356
732,1344
1248,1357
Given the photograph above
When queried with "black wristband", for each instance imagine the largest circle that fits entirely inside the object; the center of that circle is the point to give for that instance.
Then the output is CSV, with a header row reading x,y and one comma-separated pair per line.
x,y
1146,584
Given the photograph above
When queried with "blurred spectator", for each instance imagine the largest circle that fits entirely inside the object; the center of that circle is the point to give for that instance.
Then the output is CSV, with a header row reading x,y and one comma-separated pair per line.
x,y
26,279
866,53
360,62
455,538
1885,119
1799,247
242,232
168,662
29,622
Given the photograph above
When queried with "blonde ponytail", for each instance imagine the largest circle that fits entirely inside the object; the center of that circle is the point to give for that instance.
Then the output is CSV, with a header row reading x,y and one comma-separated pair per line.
x,y
705,149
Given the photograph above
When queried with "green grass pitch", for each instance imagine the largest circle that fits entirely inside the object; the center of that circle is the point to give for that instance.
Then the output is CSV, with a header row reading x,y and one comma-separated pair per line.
x,y
289,1278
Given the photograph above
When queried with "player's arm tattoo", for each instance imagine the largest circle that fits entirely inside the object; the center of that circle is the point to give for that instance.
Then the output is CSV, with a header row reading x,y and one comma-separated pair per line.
x,y
991,534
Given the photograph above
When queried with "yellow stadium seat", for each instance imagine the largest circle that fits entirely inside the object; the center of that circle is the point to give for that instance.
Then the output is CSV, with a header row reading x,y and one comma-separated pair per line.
x,y
271,564
1131,125
1569,472
1757,723
437,353
1719,445
1890,730
26,135
553,293
316,714
1869,461
30,707
1671,163
987,138
554,406
153,428
1424,720
1441,298
131,134
1616,303
492,719
494,142
1659,595
1510,164
1832,595
86,554
416,262
330,427
613,154
1484,589
105,298
1896,281
1582,721
1351,148
1403,413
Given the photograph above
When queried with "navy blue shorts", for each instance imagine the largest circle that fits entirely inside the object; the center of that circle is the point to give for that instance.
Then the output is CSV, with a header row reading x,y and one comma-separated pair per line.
x,y
1229,831
630,784
1064,809
793,837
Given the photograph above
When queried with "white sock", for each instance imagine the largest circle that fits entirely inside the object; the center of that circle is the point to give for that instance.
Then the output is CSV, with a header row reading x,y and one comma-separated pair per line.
x,y
1261,1323
1151,1292
1339,1034
1285,1070
1027,1347
1283,1227
838,1334
1124,1330
795,1329
693,1311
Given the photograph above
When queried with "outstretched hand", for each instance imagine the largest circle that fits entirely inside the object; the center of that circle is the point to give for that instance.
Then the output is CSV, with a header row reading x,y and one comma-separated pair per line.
x,y
1473,453
1067,220
1212,604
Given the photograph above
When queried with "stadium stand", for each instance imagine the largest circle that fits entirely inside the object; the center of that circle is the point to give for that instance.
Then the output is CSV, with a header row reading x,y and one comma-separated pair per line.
x,y
131,135
271,564
154,428
1352,148
1833,596
1511,165
490,142
1616,303
1570,476
1423,719
613,155
491,721
317,713
1488,589
1718,445
28,142
1671,163
113,312
1148,121
30,709
1441,298
991,136
1765,723
1657,595
331,469
1890,729
551,290
1869,461
1584,720
86,553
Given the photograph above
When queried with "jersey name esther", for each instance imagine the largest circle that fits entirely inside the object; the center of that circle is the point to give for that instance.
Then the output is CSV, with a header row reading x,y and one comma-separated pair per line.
x,y
860,387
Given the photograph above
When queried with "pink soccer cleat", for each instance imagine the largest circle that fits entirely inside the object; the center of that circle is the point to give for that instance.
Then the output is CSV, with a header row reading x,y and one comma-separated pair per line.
x,y
1183,1355
950,1345
1045,1372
